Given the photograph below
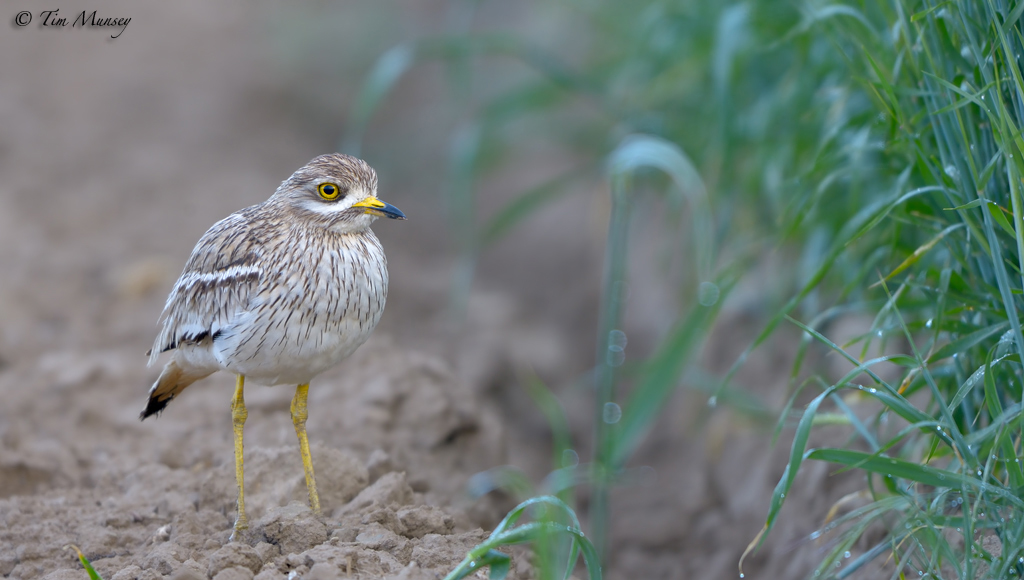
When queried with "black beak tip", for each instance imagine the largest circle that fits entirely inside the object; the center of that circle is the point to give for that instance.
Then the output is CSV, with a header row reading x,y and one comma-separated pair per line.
x,y
392,212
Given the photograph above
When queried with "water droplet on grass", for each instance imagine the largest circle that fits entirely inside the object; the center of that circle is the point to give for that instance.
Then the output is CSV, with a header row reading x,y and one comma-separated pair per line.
x,y
708,293
612,413
713,401
570,458
617,338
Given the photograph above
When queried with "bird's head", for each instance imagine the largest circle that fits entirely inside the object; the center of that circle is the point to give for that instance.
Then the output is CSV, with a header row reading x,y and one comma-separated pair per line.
x,y
337,192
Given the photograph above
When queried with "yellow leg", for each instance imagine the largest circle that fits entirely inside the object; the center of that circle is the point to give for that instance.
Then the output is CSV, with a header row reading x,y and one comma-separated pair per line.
x,y
238,417
299,415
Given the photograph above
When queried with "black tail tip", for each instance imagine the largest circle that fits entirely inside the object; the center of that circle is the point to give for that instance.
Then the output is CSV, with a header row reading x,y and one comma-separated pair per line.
x,y
153,407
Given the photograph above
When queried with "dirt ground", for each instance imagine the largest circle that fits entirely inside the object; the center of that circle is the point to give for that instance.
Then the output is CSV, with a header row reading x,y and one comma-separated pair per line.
x,y
116,155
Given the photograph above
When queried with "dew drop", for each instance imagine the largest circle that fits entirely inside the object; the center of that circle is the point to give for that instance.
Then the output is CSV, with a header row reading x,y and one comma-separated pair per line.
x,y
713,401
612,413
951,171
617,338
846,554
570,458
616,355
708,293
928,324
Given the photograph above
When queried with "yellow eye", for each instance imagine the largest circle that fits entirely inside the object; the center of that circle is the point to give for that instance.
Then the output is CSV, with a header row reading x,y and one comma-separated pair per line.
x,y
329,191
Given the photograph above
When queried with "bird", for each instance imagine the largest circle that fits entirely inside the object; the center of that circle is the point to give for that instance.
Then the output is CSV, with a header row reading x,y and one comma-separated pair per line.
x,y
277,293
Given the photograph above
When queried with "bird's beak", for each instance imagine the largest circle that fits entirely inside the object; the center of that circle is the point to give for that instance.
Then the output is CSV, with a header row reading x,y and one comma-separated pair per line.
x,y
374,206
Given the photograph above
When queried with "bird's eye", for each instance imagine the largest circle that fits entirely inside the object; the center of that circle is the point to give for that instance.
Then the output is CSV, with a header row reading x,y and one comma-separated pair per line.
x,y
329,191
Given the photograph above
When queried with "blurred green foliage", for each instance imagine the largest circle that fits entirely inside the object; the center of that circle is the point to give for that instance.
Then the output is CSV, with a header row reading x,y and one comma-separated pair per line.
x,y
877,142
767,111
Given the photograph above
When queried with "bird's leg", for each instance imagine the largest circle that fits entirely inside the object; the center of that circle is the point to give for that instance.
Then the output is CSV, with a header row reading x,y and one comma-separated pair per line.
x,y
238,416
299,415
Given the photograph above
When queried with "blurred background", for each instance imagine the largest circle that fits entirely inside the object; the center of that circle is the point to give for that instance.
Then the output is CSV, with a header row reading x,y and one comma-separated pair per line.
x,y
496,127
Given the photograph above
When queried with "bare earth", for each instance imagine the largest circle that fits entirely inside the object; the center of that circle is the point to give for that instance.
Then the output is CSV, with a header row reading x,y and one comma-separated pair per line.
x,y
116,155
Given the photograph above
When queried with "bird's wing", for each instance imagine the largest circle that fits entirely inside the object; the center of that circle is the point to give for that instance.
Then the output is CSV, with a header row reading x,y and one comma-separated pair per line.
x,y
219,282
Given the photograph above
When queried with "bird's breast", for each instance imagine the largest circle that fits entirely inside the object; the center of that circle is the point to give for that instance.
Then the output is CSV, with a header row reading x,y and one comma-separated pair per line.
x,y
318,305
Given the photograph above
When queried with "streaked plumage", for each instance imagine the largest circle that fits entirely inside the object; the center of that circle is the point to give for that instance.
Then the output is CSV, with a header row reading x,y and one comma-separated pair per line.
x,y
280,291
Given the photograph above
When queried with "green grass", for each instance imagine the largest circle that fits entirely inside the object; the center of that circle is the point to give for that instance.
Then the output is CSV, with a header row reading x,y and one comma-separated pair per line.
x,y
741,113
93,575
554,521
941,455
875,142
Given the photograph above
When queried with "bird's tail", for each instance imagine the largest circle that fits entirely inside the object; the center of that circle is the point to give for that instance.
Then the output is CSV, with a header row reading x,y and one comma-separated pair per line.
x,y
173,380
